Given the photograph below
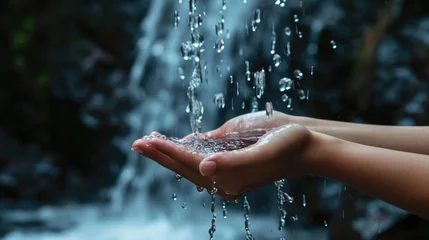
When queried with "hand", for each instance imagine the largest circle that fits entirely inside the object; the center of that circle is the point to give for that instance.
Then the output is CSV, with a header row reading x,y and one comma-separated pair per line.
x,y
249,122
280,153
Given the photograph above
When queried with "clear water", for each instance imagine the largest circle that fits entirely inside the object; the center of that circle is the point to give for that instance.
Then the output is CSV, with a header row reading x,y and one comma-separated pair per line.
x,y
191,50
208,146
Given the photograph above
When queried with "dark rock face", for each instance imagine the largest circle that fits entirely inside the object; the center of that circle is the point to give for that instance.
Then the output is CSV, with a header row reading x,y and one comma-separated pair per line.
x,y
65,68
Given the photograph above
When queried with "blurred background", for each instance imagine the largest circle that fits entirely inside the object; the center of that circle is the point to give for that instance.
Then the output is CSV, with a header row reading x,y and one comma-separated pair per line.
x,y
82,79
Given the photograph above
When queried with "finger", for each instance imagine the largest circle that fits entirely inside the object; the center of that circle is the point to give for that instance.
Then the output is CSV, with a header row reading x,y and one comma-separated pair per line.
x,y
188,159
176,167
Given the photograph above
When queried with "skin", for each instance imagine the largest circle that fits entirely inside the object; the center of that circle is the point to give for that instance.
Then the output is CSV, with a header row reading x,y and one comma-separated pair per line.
x,y
390,163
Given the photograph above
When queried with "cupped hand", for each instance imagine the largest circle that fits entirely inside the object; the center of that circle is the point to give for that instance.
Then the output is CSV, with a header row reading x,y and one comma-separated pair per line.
x,y
278,154
248,122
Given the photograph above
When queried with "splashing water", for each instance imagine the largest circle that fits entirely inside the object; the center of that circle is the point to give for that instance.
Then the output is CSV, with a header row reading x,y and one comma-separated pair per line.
x,y
225,212
259,78
333,44
277,60
269,109
287,31
285,84
207,146
246,207
256,19
304,202
193,52
298,74
219,100
213,210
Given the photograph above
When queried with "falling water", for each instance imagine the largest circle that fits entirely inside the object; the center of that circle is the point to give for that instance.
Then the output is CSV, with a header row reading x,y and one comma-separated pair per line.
x,y
246,207
131,194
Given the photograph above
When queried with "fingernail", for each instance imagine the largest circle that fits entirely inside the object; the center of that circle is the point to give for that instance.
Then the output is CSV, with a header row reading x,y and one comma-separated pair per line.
x,y
135,147
138,141
207,168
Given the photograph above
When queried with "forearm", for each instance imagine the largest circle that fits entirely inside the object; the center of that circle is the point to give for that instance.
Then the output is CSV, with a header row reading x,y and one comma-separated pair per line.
x,y
408,139
399,178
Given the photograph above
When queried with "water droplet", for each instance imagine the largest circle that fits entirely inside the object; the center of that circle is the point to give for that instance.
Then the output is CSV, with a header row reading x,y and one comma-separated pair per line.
x,y
311,70
295,18
192,6
285,97
288,32
213,210
174,196
181,73
231,79
259,78
177,177
256,19
304,202
285,84
294,218
301,94
333,44
225,213
238,89
246,207
269,109
273,47
219,45
197,40
200,189
325,223
206,73
283,3
300,34
288,197
277,60
288,49
176,18
219,100
184,206
273,40
188,50
219,27
298,74
289,103
197,76
247,73
243,105
255,105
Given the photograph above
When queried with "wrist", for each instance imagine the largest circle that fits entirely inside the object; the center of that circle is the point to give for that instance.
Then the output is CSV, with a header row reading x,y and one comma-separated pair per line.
x,y
319,156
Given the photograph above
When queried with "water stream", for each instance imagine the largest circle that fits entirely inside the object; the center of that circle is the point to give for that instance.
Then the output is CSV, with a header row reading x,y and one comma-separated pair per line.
x,y
193,45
